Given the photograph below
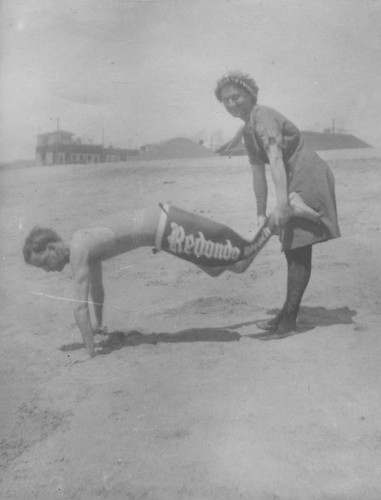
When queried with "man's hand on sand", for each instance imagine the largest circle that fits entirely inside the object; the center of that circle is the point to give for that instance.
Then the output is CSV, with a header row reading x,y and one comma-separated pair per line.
x,y
75,357
103,330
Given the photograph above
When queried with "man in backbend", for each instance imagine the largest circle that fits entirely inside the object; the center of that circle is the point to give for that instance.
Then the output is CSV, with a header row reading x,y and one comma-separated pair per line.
x,y
210,245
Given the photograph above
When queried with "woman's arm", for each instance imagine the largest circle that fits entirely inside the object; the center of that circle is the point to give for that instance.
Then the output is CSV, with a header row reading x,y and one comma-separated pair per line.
x,y
228,146
278,171
260,190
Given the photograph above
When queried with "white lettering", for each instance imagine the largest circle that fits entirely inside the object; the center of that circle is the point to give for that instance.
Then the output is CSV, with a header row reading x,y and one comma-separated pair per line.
x,y
209,249
176,238
235,253
179,243
189,244
219,251
199,245
227,250
258,244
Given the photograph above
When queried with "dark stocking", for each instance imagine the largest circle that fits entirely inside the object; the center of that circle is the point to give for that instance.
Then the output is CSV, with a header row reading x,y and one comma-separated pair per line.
x,y
299,263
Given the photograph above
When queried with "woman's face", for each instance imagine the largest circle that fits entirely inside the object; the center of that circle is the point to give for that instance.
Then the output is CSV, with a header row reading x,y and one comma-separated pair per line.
x,y
237,101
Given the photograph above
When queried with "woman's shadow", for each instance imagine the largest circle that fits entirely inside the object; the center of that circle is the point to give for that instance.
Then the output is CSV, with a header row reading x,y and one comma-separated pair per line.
x,y
309,318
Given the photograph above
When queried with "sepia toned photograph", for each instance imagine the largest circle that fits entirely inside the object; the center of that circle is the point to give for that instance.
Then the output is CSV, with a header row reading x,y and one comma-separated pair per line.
x,y
190,274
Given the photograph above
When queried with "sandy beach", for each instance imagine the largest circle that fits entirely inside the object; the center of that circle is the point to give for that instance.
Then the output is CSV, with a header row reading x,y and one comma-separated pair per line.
x,y
189,401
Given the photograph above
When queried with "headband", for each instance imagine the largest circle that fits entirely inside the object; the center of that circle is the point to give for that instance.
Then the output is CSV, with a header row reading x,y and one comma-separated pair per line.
x,y
243,80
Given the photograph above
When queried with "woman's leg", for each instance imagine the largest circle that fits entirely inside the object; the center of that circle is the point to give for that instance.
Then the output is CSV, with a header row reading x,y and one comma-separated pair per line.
x,y
299,263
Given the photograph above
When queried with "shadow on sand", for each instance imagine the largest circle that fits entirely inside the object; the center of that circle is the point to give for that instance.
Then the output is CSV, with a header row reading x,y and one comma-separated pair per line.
x,y
309,318
118,339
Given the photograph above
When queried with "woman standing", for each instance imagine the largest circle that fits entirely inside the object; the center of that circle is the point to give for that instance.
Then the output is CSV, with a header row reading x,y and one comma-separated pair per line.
x,y
272,139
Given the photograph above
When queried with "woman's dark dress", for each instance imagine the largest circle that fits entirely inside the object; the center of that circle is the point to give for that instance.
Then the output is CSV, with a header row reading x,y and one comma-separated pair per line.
x,y
307,174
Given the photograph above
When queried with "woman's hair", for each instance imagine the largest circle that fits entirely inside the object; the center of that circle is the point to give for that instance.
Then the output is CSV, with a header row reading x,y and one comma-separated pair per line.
x,y
38,239
239,79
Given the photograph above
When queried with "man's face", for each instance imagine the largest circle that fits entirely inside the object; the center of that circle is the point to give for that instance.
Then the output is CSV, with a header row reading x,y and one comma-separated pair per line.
x,y
48,260
238,102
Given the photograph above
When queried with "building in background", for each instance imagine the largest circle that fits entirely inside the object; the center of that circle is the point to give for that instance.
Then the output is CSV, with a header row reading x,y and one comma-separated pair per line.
x,y
316,141
60,147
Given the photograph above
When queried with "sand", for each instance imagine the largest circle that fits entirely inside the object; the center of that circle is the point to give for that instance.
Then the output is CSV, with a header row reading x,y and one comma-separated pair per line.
x,y
189,401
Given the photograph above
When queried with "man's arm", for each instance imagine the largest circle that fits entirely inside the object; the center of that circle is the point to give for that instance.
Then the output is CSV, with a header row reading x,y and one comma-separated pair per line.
x,y
97,292
81,305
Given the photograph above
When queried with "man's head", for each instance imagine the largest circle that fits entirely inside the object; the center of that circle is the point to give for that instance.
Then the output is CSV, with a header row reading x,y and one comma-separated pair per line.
x,y
44,248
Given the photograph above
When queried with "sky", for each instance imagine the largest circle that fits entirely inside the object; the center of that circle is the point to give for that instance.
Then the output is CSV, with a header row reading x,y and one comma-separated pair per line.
x,y
132,72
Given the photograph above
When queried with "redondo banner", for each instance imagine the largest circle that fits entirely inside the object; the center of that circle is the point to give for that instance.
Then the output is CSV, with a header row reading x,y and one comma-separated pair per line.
x,y
203,241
